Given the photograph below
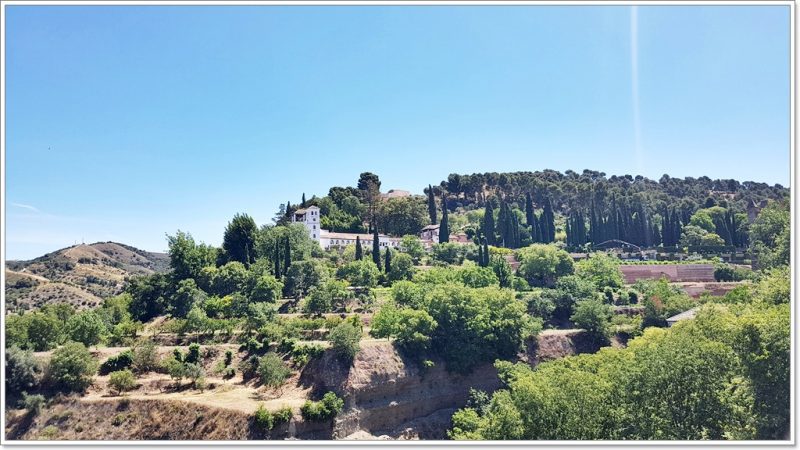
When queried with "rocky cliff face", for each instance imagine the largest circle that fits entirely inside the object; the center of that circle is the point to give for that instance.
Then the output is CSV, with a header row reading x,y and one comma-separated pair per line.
x,y
389,396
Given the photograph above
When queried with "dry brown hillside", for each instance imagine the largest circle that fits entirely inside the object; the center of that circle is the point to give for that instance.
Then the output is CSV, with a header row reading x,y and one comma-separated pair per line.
x,y
81,275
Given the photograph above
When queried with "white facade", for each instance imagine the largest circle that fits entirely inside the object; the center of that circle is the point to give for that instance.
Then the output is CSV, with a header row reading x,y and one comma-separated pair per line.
x,y
335,240
310,218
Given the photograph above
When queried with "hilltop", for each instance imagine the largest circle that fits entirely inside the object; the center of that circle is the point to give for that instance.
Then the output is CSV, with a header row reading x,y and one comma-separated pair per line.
x,y
81,275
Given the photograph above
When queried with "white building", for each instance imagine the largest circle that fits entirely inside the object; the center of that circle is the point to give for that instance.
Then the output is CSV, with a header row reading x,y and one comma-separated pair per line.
x,y
310,217
330,239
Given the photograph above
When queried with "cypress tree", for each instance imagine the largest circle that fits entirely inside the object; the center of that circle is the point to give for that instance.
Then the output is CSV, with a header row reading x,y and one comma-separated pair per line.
x,y
517,243
387,266
359,251
502,227
303,201
288,209
656,235
487,227
676,228
529,213
480,254
431,205
277,261
593,231
376,248
287,255
570,232
549,228
444,226
485,254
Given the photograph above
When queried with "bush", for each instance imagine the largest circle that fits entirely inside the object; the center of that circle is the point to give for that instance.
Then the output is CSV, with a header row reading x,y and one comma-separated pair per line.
x,y
196,374
345,340
602,269
272,371
176,369
303,353
363,273
122,381
540,306
114,363
228,357
477,325
32,403
282,415
249,367
263,418
411,328
71,367
193,355
326,409
542,265
476,277
23,370
85,327
594,317
725,272
145,357
402,267
44,331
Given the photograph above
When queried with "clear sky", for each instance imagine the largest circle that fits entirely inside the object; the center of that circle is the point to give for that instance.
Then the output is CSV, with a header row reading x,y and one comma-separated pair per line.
x,y
126,123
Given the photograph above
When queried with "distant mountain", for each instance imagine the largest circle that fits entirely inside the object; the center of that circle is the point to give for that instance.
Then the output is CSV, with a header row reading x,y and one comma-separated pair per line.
x,y
81,275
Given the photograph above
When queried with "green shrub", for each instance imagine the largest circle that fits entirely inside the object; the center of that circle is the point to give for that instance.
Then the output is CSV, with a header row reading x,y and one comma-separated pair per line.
x,y
272,371
193,356
249,367
23,370
49,433
263,418
282,415
228,357
145,356
114,363
303,353
195,373
32,403
122,381
71,367
594,317
345,340
176,369
326,409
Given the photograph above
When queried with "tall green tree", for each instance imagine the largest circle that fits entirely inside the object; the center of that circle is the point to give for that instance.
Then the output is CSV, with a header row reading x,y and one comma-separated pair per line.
x,y
431,205
239,240
187,258
287,255
276,260
487,225
387,266
376,248
359,250
530,214
444,226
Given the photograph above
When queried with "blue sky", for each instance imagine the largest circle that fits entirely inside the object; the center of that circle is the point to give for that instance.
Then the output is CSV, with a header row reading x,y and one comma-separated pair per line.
x,y
126,123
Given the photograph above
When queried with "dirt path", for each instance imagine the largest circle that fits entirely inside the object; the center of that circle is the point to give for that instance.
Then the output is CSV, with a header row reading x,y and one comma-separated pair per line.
x,y
229,394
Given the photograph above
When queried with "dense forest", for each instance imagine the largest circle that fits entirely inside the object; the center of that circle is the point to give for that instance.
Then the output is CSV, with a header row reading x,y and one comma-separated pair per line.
x,y
578,209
